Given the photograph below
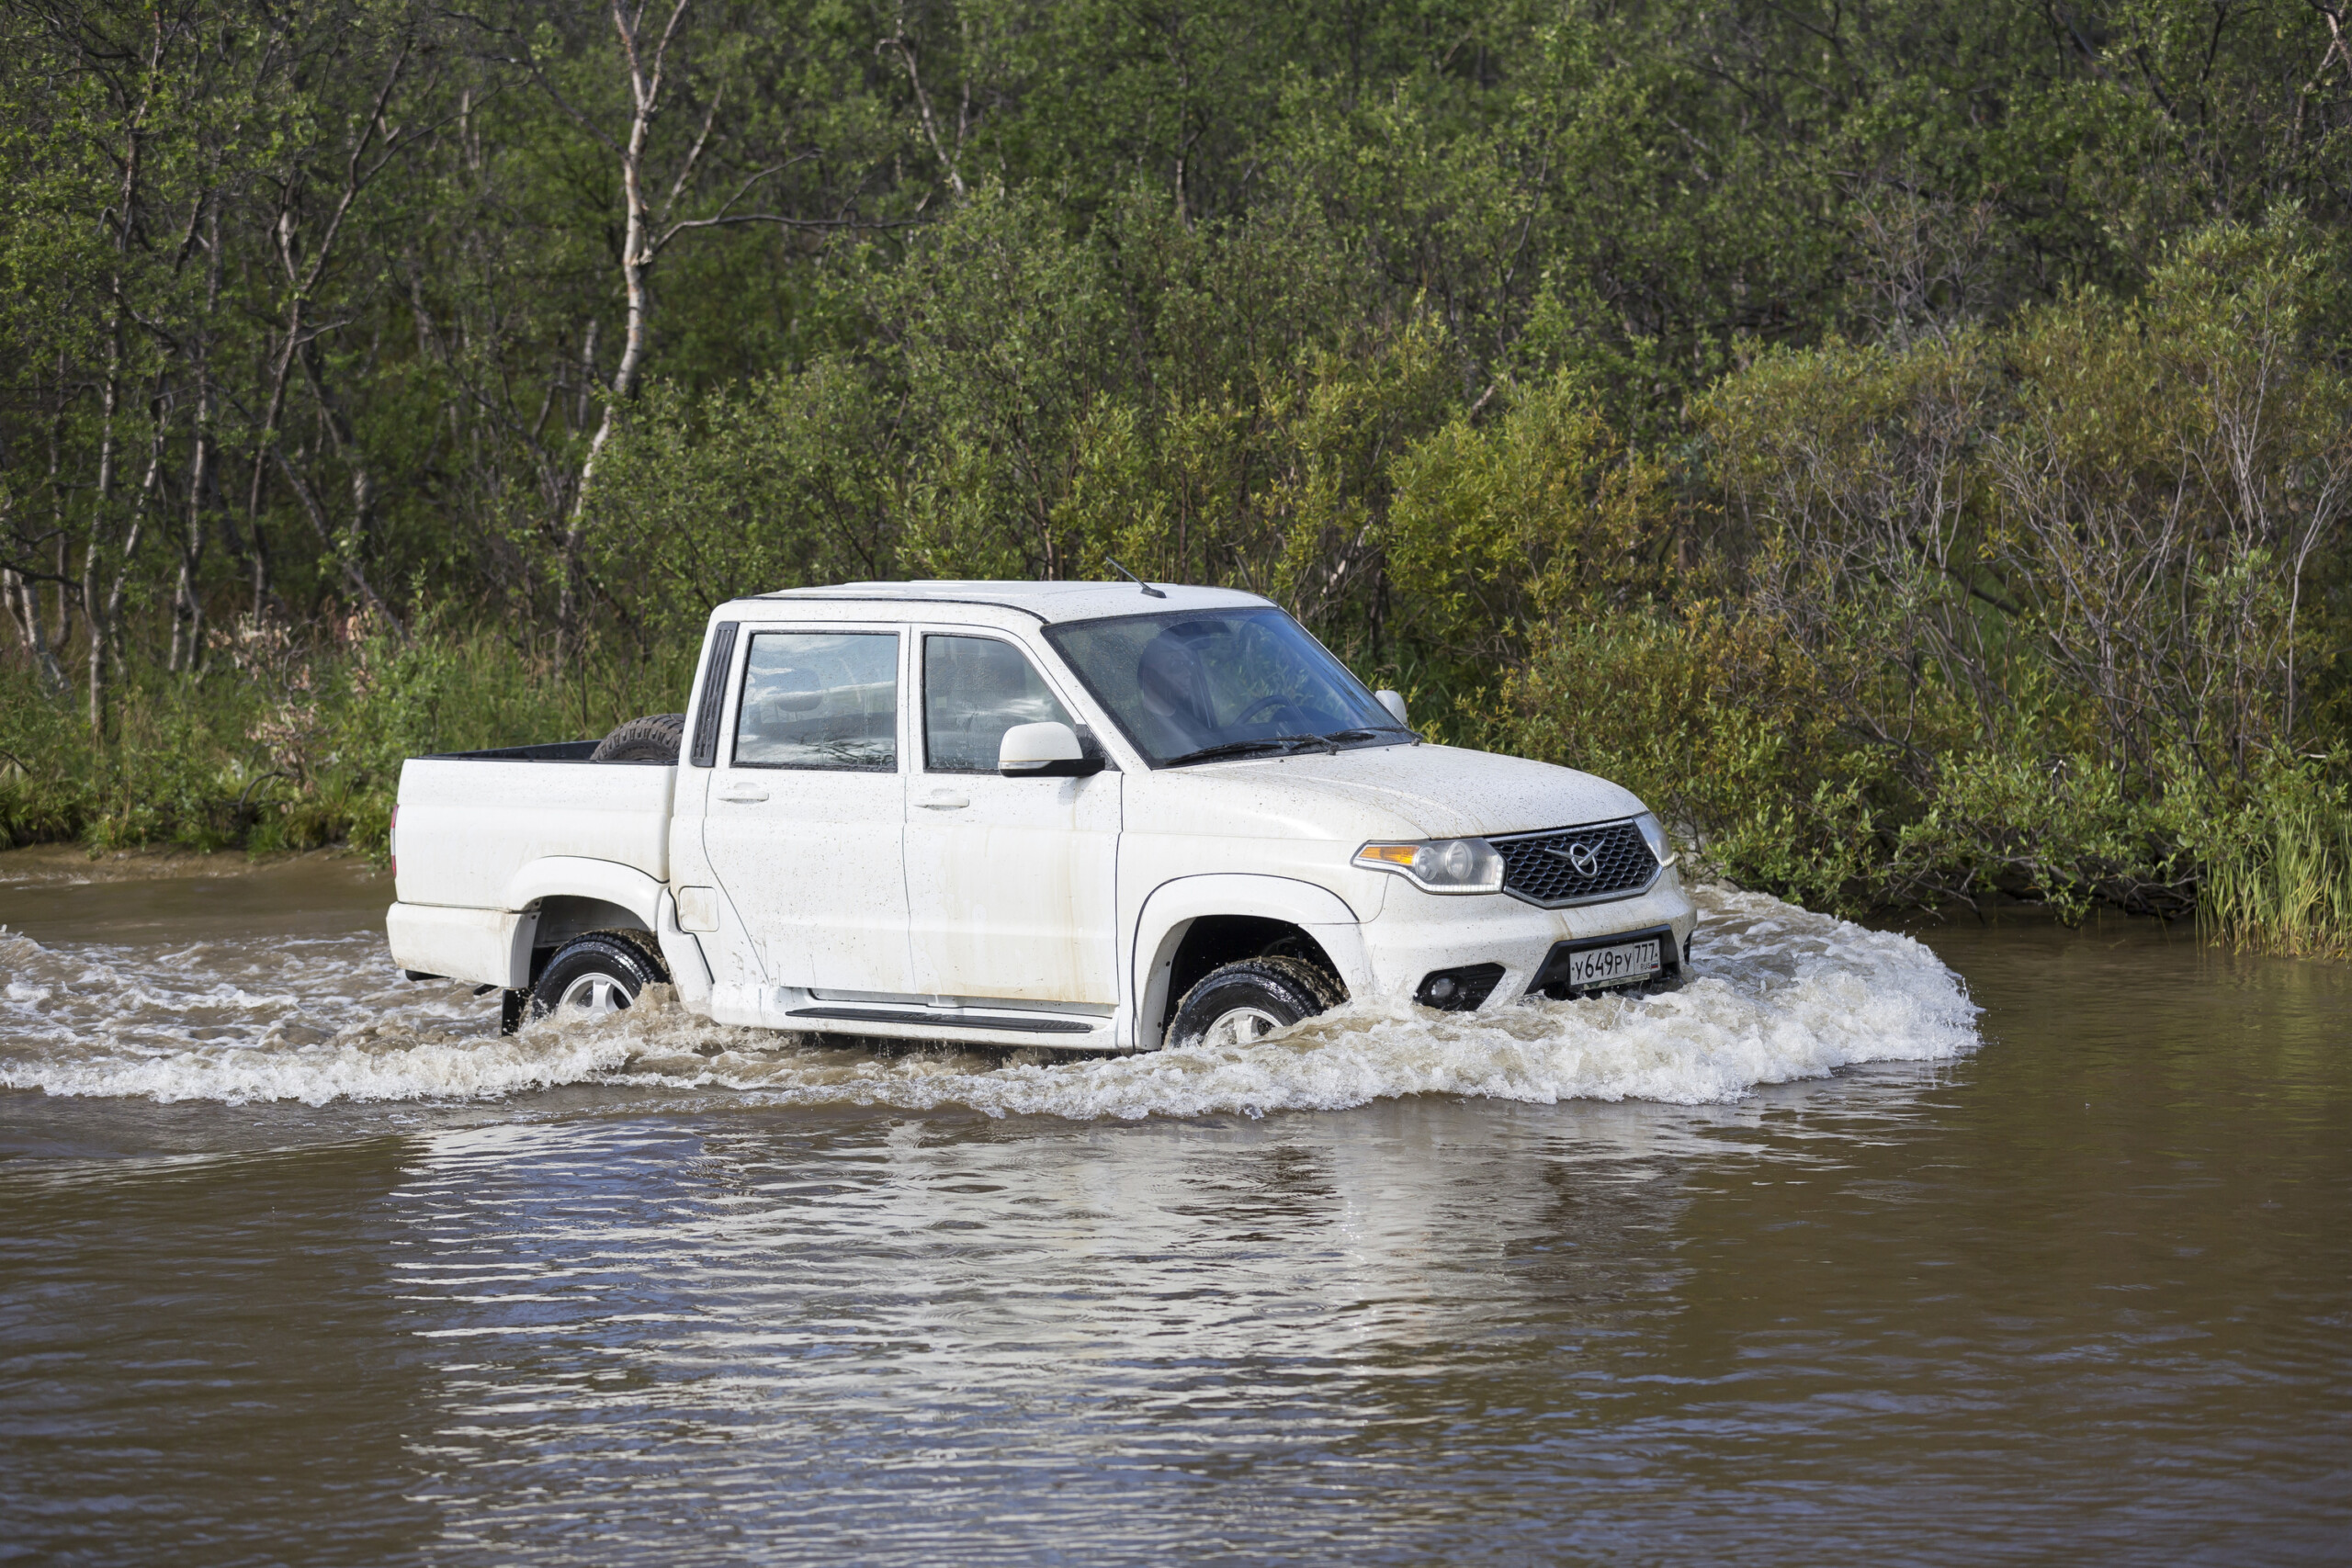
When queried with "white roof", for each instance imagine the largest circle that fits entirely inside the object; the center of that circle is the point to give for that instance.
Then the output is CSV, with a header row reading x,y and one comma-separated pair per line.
x,y
1046,601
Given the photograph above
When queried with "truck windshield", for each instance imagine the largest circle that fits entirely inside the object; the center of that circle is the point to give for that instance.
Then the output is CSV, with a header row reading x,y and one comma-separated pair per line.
x,y
1190,686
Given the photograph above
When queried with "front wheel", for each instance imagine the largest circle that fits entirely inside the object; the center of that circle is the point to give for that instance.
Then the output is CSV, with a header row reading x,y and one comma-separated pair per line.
x,y
1244,1002
597,974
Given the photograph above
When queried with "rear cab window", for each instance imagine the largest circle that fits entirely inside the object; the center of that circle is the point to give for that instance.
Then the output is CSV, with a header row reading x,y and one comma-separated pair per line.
x,y
820,699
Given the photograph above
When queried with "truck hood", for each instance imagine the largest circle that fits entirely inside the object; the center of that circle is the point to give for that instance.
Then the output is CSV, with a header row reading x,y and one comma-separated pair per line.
x,y
1418,792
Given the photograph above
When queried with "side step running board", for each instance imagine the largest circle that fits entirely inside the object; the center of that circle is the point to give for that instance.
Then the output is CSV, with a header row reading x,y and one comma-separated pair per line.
x,y
945,1020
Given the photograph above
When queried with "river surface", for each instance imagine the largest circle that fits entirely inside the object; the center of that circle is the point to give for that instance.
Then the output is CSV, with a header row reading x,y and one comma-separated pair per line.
x,y
2008,1244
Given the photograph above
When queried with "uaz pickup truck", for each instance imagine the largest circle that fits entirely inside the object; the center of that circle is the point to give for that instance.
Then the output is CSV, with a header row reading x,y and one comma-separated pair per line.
x,y
1099,817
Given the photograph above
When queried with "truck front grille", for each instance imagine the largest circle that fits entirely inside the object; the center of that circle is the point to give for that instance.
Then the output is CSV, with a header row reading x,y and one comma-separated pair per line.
x,y
1550,868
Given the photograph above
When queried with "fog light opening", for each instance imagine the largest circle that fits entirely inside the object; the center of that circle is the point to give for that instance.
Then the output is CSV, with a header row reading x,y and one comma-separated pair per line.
x,y
1458,990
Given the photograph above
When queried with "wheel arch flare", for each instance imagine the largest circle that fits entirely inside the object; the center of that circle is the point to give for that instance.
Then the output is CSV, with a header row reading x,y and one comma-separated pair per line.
x,y
1191,924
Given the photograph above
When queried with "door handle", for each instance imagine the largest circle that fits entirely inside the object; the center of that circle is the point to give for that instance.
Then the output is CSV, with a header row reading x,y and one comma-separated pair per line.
x,y
942,801
742,794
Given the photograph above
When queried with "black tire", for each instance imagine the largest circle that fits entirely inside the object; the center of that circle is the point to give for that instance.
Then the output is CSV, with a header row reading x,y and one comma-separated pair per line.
x,y
656,737
602,971
1248,1000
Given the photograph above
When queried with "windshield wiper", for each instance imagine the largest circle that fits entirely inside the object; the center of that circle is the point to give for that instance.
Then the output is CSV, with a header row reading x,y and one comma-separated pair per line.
x,y
1329,743
1244,748
1333,738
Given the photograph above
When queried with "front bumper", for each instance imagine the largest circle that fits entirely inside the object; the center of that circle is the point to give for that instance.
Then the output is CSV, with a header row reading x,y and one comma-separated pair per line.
x,y
1417,933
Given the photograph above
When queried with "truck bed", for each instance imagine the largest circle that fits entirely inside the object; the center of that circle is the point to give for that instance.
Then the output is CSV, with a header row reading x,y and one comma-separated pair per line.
x,y
471,821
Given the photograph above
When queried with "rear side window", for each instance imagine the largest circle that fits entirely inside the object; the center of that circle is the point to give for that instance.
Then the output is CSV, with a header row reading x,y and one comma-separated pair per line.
x,y
974,689
716,663
820,700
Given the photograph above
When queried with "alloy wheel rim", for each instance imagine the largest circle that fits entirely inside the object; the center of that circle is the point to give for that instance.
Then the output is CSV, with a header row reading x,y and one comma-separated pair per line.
x,y
595,995
1240,1026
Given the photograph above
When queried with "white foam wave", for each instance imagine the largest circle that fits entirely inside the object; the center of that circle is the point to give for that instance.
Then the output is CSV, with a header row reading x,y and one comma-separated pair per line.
x,y
1780,994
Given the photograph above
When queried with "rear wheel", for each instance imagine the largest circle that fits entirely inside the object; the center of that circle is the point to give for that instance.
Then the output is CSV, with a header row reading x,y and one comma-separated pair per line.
x,y
1240,1003
656,737
597,974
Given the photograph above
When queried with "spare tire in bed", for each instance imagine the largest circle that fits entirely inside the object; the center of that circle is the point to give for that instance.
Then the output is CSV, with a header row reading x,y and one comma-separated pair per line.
x,y
655,737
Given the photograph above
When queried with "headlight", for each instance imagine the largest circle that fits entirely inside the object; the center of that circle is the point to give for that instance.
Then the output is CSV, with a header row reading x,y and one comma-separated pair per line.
x,y
1441,866
1654,835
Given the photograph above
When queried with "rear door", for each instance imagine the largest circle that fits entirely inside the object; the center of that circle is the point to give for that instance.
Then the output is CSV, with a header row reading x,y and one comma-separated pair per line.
x,y
1011,884
805,827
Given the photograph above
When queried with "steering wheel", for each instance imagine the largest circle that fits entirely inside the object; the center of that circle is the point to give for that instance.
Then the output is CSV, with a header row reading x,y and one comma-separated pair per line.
x,y
1267,705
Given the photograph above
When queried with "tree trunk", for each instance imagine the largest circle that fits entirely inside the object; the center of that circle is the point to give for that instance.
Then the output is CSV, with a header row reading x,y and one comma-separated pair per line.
x,y
187,591
637,260
100,620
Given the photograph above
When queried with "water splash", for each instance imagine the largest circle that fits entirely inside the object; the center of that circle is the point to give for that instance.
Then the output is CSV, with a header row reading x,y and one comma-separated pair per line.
x,y
1779,994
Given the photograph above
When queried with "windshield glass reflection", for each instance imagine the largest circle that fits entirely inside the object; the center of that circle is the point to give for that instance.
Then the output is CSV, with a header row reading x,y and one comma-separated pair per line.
x,y
1189,686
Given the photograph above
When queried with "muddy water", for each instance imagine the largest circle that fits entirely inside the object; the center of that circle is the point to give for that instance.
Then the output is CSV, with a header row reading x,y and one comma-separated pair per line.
x,y
2017,1245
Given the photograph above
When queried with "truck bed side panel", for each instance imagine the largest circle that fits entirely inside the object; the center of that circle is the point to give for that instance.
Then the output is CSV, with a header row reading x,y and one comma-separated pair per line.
x,y
468,824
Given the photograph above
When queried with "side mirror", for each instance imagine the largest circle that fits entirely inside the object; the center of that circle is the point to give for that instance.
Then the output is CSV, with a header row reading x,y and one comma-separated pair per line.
x,y
1395,702
1044,752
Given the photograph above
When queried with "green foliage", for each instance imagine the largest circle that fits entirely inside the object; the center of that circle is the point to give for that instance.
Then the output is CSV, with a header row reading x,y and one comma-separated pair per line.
x,y
43,793
2025,610
290,741
1716,721
1055,403
788,481
1907,442
2278,873
1538,515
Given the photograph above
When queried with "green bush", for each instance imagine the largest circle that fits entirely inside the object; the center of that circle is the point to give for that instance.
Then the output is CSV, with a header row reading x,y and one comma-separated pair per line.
x,y
2046,609
292,741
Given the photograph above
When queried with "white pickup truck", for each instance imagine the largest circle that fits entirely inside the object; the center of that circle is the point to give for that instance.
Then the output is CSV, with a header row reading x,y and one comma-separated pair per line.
x,y
1099,817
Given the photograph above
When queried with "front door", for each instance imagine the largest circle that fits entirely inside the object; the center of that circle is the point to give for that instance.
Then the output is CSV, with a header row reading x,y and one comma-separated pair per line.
x,y
805,822
1011,882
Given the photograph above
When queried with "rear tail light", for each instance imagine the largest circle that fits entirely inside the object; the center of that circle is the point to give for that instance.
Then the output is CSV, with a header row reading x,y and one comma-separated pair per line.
x,y
392,843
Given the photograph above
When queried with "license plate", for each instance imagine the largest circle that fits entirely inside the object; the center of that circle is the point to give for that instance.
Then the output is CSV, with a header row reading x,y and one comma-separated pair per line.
x,y
1627,964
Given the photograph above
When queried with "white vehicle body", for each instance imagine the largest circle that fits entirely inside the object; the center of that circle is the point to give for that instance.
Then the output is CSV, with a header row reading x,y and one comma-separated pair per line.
x,y
921,901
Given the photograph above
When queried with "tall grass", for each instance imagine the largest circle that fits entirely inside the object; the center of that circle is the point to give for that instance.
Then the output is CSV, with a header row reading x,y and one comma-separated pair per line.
x,y
2283,883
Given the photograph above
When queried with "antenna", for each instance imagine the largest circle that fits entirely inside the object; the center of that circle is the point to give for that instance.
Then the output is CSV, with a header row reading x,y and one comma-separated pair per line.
x,y
1149,592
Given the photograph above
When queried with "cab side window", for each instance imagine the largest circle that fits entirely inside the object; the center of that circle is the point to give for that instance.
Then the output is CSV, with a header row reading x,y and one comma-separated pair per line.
x,y
820,700
974,689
